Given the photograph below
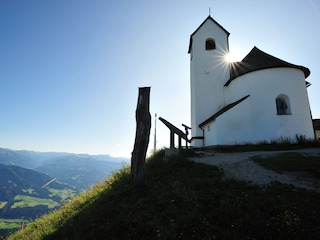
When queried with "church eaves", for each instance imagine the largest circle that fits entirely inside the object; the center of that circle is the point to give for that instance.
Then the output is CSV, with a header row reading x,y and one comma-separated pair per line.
x,y
258,60
222,111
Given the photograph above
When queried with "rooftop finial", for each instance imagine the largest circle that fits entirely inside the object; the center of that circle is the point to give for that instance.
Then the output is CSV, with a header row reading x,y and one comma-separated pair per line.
x,y
209,11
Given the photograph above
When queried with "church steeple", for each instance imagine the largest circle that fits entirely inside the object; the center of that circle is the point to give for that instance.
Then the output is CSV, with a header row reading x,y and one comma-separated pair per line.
x,y
208,71
209,18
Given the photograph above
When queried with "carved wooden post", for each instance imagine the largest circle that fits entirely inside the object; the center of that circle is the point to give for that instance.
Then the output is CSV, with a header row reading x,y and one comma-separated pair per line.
x,y
143,120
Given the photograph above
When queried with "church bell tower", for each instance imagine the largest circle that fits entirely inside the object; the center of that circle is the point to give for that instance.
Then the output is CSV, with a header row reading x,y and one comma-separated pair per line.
x,y
209,71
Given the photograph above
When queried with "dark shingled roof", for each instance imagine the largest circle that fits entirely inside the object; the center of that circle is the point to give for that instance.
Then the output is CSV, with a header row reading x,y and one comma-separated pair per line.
x,y
258,60
221,111
208,18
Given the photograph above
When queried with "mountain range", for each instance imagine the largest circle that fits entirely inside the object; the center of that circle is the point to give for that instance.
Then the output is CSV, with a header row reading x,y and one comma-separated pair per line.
x,y
34,183
77,170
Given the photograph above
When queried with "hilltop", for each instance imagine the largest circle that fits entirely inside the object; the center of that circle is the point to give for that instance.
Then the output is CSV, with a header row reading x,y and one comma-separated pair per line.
x,y
182,199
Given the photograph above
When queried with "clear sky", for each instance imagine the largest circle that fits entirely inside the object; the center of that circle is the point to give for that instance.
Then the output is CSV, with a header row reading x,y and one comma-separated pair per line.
x,y
70,69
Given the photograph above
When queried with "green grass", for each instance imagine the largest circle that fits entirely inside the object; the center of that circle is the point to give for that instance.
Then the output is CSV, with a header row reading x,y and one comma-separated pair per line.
x,y
291,162
2,204
22,201
182,200
65,194
29,190
278,145
11,223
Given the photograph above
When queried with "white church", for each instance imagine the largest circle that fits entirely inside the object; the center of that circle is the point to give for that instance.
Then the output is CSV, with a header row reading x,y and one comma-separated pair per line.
x,y
261,98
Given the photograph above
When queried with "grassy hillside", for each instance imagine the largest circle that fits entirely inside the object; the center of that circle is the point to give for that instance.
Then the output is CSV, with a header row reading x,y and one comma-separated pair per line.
x,y
182,200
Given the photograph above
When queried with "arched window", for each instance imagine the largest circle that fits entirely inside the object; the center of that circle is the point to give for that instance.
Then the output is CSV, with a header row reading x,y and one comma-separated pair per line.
x,y
210,44
283,105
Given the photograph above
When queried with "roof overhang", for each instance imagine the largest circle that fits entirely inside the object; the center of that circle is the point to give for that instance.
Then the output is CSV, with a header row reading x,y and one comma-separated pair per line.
x,y
222,111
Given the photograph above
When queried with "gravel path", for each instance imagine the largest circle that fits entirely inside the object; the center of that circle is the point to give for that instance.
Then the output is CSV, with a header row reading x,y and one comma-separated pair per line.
x,y
238,166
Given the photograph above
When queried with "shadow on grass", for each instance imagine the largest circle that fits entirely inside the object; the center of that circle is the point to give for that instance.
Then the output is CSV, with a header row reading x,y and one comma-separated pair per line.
x,y
187,200
291,162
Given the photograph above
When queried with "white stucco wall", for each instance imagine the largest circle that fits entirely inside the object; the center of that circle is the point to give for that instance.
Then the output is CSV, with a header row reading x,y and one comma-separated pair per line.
x,y
208,73
255,119
233,127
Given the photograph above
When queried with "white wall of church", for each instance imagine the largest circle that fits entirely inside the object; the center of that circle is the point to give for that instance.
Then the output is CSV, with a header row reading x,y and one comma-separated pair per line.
x,y
256,119
234,126
209,72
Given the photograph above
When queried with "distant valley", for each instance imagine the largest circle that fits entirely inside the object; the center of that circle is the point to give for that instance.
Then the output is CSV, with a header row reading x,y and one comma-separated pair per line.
x,y
34,183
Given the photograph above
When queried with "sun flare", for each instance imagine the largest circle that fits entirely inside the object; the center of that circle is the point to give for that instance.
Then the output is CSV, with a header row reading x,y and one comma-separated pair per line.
x,y
232,57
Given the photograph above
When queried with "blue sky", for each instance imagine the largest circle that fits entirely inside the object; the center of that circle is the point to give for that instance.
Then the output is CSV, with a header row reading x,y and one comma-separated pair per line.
x,y
70,70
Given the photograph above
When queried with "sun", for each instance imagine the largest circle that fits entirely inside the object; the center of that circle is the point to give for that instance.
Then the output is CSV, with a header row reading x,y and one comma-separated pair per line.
x,y
232,57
